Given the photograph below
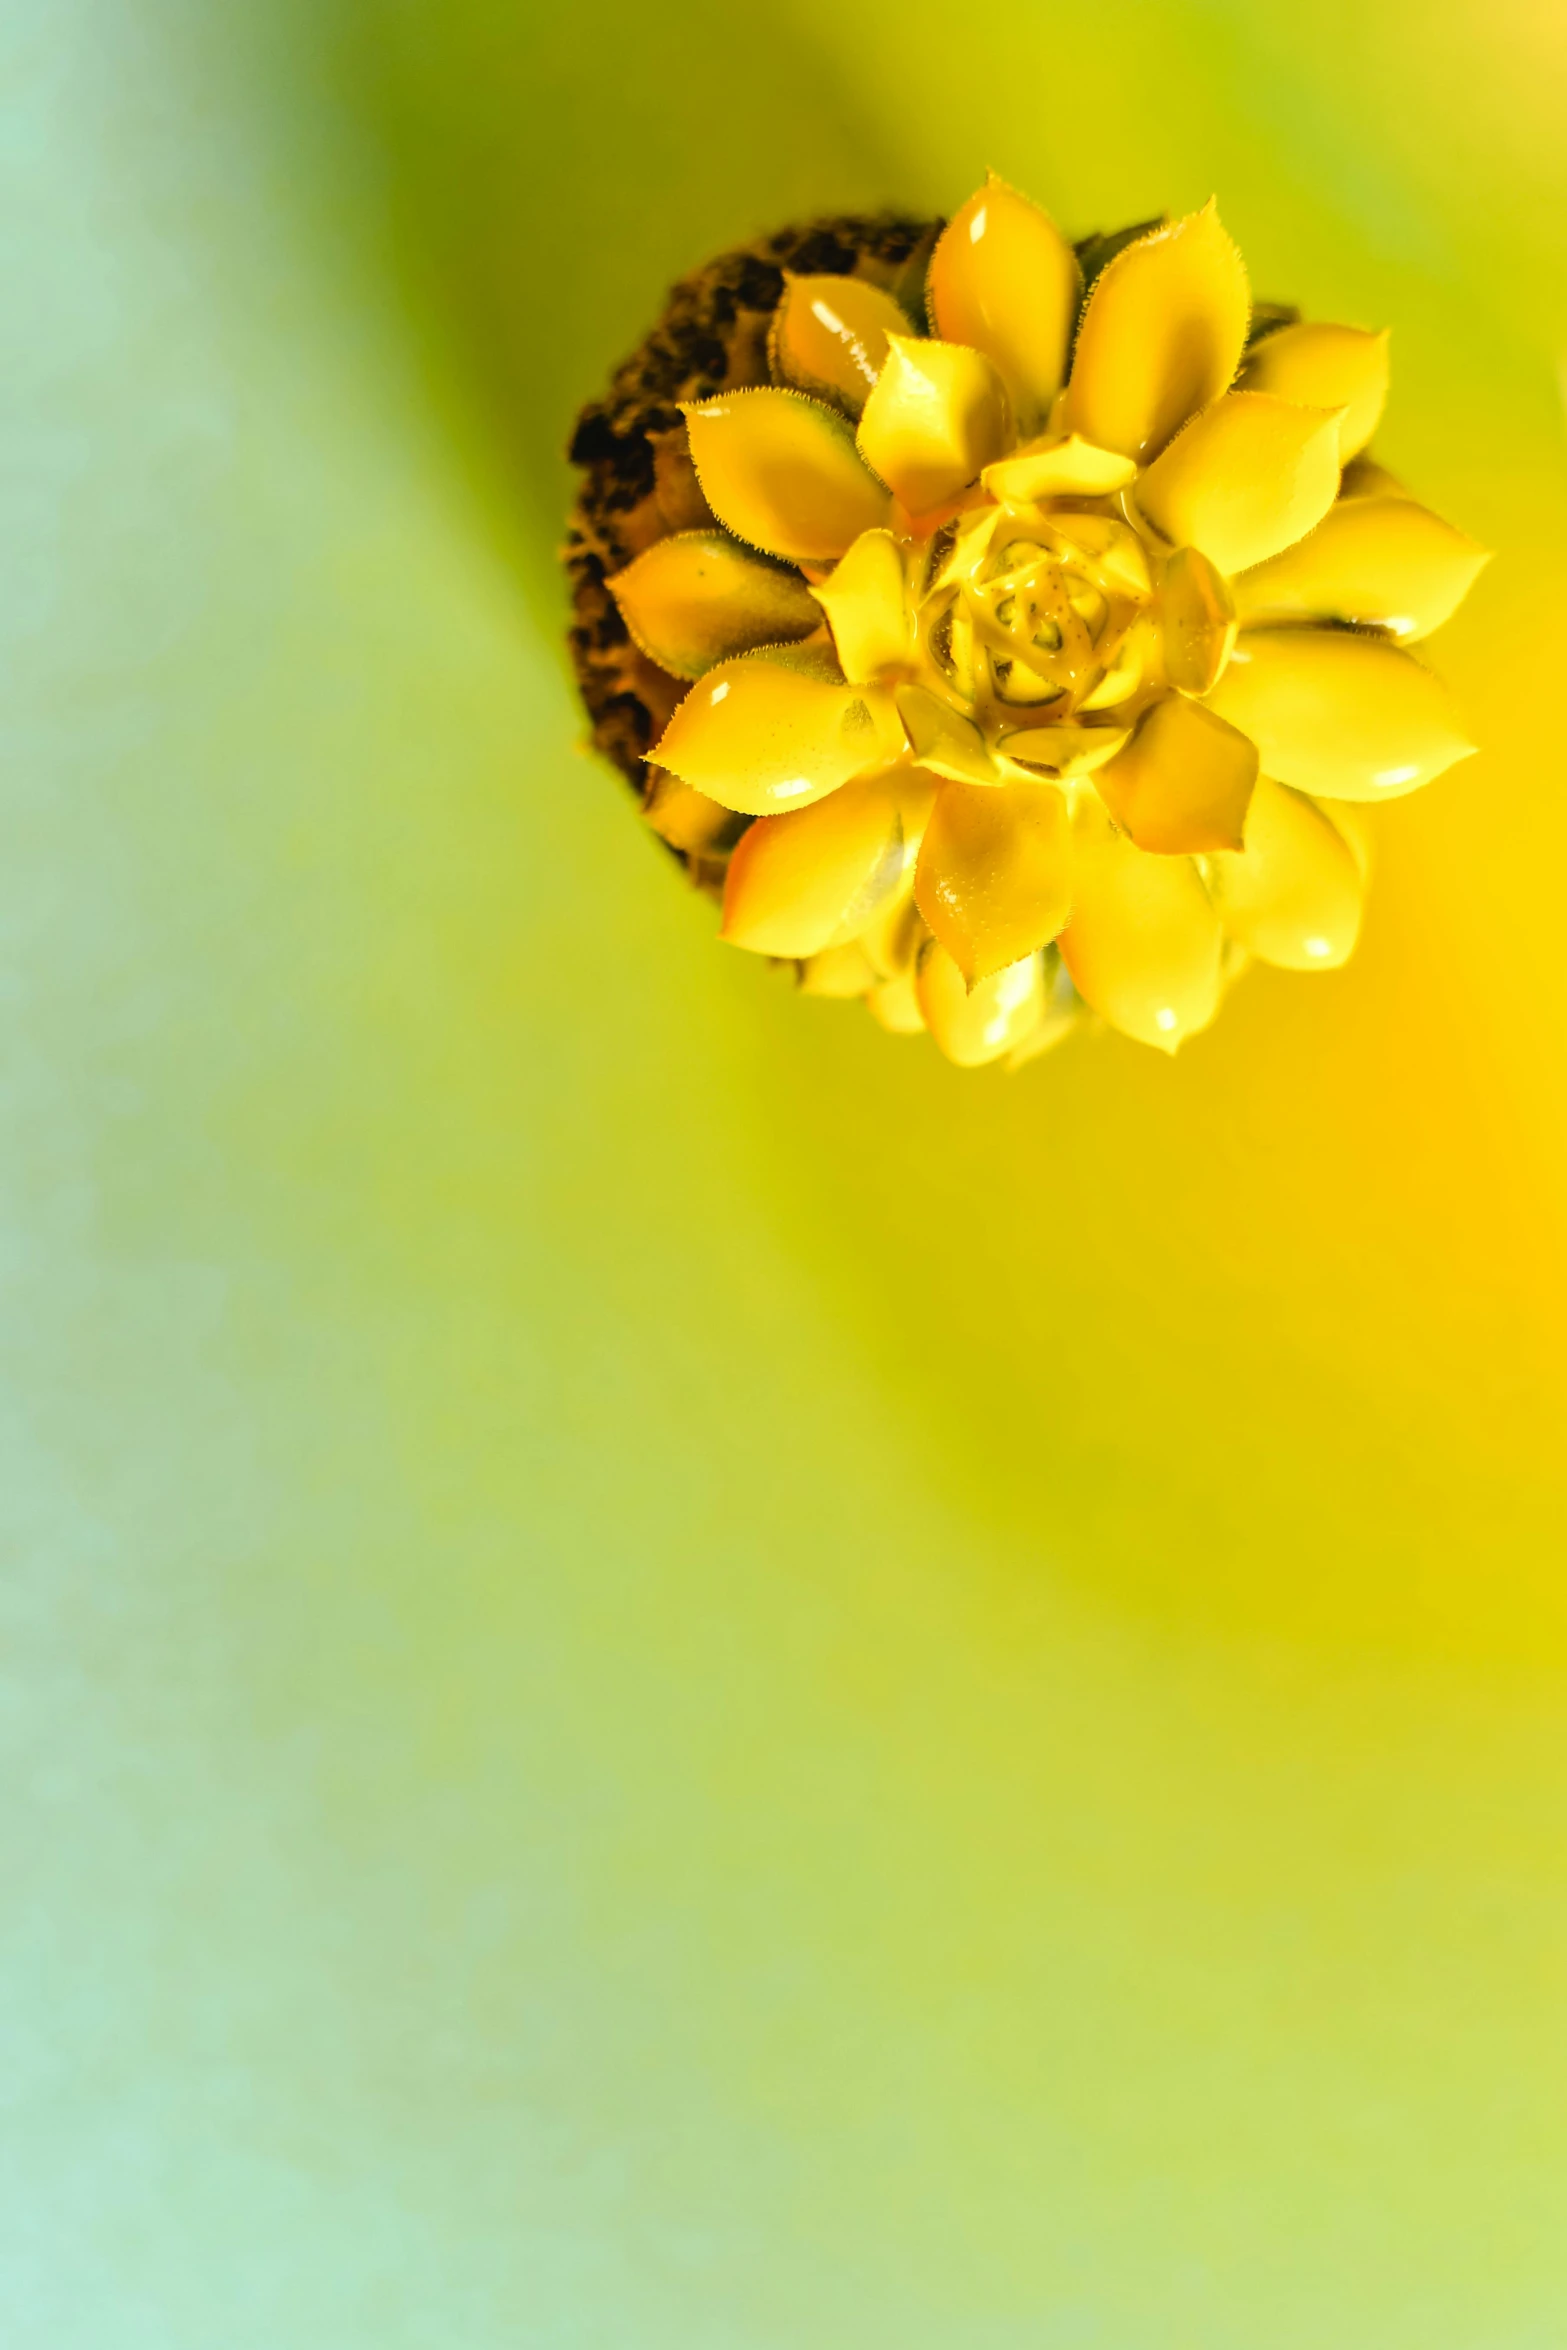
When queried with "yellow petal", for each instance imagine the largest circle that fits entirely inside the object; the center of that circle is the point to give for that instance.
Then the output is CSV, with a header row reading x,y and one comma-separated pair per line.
x,y
783,473
1143,945
937,418
1322,366
1247,477
1162,336
918,790
1129,666
1061,1015
838,971
896,930
967,541
799,883
688,819
1196,619
894,935
1062,751
1064,467
1183,782
979,1024
829,334
867,607
896,1004
762,738
697,598
1118,556
1004,280
942,739
1350,820
1382,560
994,879
1350,717
1366,479
1293,895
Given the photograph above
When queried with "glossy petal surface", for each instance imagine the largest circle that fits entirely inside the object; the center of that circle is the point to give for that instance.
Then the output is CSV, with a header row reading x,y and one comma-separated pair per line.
x,y
895,1005
1293,897
1248,477
1143,945
1184,781
782,472
979,1024
1351,819
942,739
1350,717
1064,465
896,931
762,738
829,335
813,879
994,879
1162,336
696,599
844,972
1063,750
937,417
1196,621
688,819
1384,560
1323,366
867,607
1004,280
1061,1017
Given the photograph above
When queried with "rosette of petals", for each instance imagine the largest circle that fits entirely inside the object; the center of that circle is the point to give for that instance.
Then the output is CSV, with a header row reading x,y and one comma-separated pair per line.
x,y
1048,648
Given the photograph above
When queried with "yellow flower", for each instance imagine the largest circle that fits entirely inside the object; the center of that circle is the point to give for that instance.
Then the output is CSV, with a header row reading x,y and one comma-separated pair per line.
x,y
1049,651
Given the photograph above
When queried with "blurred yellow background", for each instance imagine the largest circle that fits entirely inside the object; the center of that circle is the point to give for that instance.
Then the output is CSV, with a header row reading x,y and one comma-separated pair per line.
x,y
673,1676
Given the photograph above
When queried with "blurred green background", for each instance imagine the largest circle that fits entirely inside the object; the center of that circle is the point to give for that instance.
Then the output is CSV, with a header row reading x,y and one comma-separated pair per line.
x,y
672,1676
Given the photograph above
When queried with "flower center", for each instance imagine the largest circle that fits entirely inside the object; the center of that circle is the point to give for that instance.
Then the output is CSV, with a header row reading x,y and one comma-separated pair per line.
x,y
1048,614
1027,613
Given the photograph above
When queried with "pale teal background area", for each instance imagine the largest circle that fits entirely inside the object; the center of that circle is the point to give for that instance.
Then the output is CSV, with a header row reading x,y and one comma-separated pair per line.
x,y
671,1677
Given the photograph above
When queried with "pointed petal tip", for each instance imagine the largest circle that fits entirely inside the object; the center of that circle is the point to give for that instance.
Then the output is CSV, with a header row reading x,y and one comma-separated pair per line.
x,y
1004,281
980,1024
1340,714
697,597
1161,336
1294,898
1383,560
993,881
937,417
781,472
803,882
761,736
1210,214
